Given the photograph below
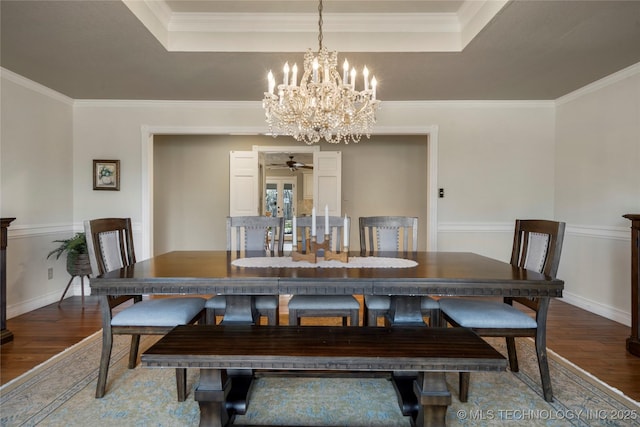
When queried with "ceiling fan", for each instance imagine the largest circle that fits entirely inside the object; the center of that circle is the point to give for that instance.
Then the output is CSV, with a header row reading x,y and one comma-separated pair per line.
x,y
293,165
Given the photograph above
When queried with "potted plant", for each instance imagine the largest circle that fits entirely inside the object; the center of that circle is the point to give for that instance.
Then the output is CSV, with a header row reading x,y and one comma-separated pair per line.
x,y
78,263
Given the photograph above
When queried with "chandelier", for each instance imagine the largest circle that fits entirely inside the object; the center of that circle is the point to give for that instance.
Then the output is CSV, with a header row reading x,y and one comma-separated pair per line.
x,y
323,104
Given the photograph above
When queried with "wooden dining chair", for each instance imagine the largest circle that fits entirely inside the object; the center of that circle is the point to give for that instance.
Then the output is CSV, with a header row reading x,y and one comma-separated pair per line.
x,y
537,245
252,234
344,306
390,234
110,247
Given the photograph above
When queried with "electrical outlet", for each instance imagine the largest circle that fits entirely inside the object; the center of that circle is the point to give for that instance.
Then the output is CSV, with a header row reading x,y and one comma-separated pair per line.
x,y
50,273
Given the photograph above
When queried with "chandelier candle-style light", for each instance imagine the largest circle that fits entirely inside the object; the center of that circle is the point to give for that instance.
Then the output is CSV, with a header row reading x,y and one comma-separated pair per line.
x,y
323,104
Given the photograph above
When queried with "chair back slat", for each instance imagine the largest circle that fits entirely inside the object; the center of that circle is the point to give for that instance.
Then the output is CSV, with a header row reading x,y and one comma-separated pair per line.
x,y
536,250
110,250
388,234
255,233
388,239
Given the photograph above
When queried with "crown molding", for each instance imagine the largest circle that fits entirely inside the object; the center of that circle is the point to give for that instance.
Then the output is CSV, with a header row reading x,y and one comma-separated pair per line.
x,y
36,87
472,104
243,105
600,84
151,103
292,32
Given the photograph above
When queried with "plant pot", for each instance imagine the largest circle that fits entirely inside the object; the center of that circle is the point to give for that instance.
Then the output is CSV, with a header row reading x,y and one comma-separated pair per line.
x,y
78,264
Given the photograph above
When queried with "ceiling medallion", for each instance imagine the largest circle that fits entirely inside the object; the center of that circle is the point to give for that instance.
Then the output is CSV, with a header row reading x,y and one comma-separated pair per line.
x,y
324,104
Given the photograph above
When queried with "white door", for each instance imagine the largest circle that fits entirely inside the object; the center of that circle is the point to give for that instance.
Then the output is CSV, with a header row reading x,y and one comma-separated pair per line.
x,y
280,199
244,191
327,181
244,184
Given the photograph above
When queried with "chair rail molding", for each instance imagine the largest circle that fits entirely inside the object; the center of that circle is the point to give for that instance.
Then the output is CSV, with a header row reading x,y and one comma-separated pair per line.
x,y
36,230
33,230
591,231
599,232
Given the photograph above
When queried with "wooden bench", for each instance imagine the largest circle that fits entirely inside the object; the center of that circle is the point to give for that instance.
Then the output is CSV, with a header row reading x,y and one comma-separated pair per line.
x,y
429,352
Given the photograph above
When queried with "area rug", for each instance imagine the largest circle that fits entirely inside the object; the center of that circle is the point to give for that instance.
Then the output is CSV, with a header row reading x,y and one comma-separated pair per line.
x,y
60,392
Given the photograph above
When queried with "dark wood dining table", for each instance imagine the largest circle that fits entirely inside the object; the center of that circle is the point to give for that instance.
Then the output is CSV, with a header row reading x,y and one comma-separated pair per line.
x,y
434,274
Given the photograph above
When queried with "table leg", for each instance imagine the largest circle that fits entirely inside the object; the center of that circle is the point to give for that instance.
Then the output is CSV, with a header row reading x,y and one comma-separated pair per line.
x,y
211,395
423,397
240,309
434,398
405,311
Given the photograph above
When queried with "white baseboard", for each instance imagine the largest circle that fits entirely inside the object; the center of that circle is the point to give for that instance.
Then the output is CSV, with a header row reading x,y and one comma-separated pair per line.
x,y
40,301
595,307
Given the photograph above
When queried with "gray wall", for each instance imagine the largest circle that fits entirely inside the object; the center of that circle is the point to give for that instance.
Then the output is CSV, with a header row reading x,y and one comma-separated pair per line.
x,y
385,175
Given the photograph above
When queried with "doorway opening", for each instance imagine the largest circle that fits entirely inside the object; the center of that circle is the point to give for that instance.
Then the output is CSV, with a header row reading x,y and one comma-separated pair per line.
x,y
280,200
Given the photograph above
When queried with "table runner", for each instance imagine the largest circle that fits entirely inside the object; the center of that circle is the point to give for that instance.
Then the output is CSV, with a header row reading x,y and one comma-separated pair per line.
x,y
354,262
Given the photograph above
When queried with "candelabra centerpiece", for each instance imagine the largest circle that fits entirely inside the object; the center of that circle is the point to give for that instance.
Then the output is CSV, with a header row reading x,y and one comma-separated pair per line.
x,y
324,105
315,247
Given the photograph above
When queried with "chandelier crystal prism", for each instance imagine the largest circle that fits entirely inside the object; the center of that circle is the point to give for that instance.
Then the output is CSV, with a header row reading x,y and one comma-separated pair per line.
x,y
323,105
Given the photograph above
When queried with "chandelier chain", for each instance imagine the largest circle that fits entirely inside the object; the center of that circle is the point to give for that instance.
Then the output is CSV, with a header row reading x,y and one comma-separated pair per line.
x,y
320,26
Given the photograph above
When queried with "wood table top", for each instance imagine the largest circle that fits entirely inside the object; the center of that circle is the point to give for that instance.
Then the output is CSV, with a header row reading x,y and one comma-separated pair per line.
x,y
436,273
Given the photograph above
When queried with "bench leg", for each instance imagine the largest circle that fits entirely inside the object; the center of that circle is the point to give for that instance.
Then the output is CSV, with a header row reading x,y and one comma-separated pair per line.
x,y
181,383
434,398
210,395
464,379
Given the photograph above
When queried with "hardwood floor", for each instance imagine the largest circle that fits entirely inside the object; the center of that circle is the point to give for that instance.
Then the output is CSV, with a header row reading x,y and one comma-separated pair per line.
x,y
591,342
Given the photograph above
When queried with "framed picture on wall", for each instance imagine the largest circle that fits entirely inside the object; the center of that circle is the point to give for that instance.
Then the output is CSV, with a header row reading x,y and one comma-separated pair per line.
x,y
106,175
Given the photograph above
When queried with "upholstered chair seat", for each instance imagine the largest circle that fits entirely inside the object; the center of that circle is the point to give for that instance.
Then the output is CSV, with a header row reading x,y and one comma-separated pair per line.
x,y
266,305
382,302
160,312
470,313
324,305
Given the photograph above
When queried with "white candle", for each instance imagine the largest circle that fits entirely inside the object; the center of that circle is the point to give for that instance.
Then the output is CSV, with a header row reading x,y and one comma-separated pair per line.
x,y
293,232
285,80
365,73
374,83
315,70
294,77
326,219
346,232
271,82
345,72
353,78
313,222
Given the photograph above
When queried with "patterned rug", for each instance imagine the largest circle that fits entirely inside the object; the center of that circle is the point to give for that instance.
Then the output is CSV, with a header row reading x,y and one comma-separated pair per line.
x,y
60,392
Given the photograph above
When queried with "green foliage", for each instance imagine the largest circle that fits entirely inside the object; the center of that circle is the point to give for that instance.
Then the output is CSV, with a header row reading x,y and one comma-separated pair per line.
x,y
73,246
